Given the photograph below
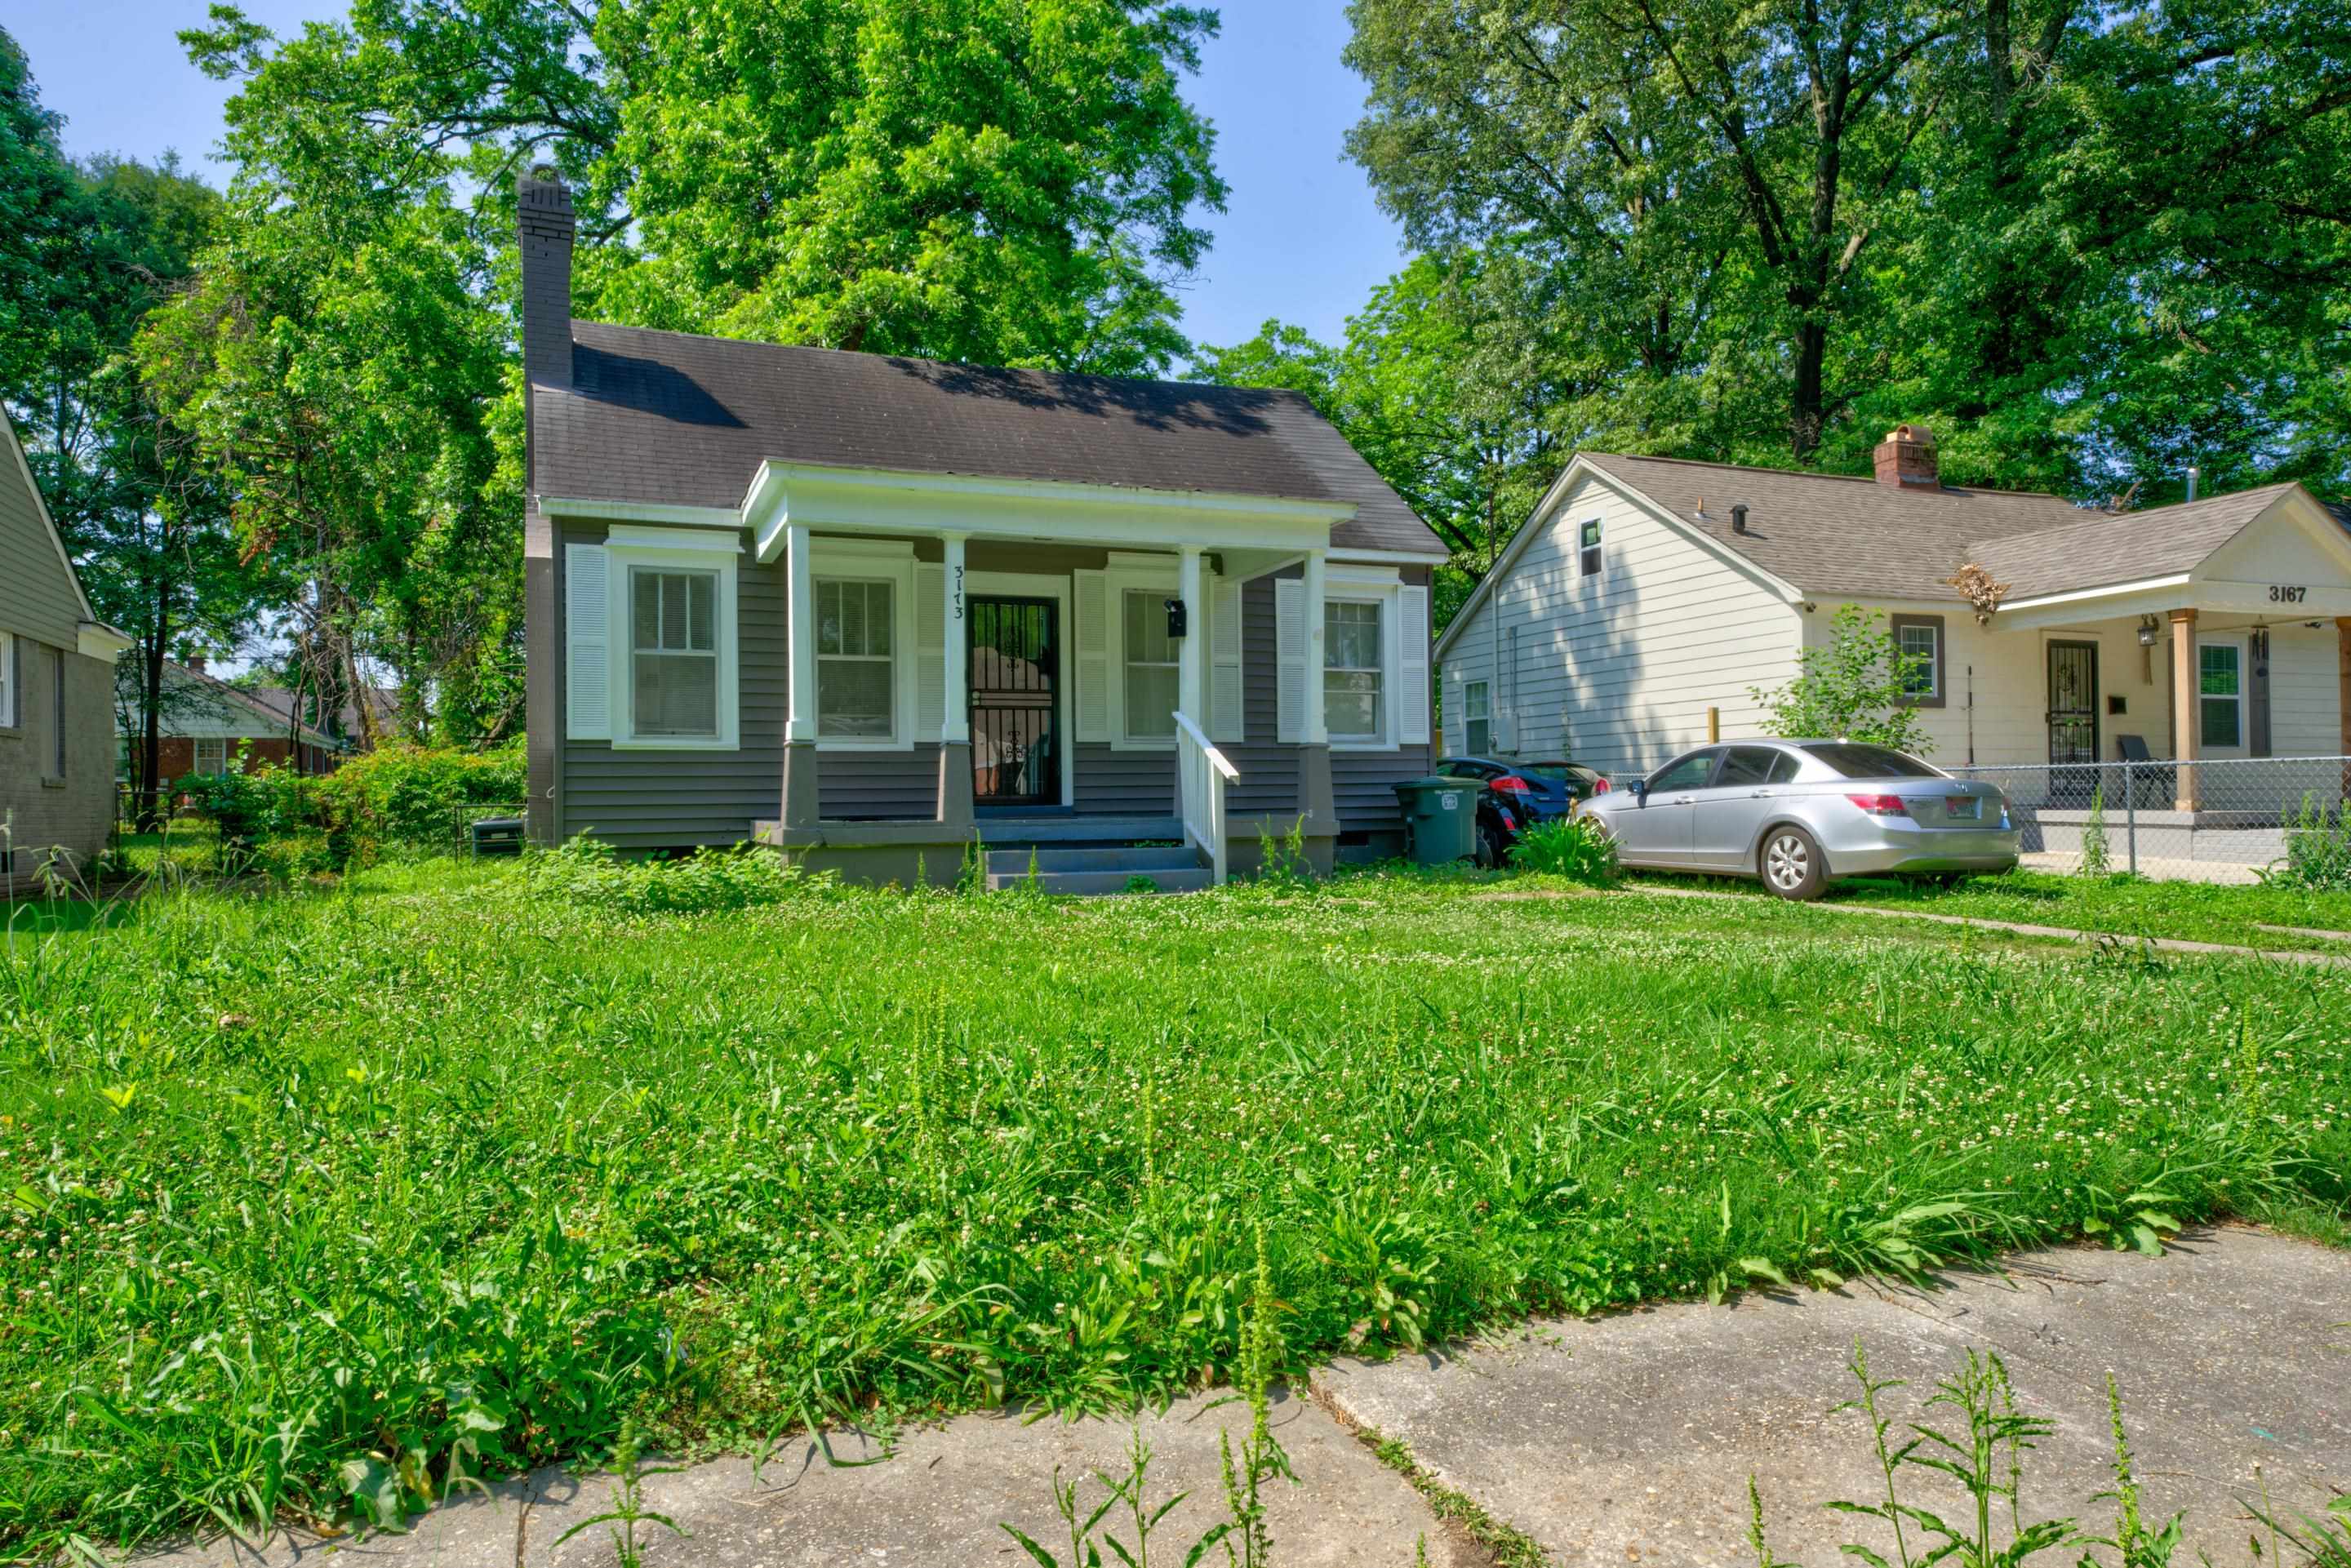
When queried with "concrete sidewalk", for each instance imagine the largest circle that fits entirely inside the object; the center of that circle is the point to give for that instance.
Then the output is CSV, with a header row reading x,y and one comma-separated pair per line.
x,y
1621,1440
1630,1439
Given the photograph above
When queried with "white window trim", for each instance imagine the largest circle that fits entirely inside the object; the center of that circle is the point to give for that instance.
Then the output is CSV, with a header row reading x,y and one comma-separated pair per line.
x,y
1601,545
196,756
1366,585
1148,574
2237,646
876,561
8,681
684,550
1471,691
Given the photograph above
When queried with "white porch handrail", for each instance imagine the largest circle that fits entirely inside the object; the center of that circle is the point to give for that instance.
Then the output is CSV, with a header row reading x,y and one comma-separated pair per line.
x,y
1201,774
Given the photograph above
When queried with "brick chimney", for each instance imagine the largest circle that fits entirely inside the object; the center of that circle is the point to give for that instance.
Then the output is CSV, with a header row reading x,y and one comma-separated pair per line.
x,y
1905,459
196,663
544,212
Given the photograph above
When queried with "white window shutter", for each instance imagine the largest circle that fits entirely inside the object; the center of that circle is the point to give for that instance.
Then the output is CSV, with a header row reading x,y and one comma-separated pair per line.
x,y
1411,664
1090,607
1290,659
930,652
1226,720
587,622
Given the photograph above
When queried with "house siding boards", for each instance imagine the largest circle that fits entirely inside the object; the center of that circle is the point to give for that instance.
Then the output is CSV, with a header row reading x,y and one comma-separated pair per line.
x,y
1617,671
2306,695
45,811
647,799
42,601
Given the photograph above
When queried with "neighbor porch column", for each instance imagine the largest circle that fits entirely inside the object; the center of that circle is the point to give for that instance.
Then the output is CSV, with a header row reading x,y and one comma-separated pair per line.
x,y
2187,680
1192,659
955,731
2343,700
1316,802
800,808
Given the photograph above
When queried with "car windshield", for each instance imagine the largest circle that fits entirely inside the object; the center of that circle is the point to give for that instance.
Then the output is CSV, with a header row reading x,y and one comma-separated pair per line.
x,y
1852,760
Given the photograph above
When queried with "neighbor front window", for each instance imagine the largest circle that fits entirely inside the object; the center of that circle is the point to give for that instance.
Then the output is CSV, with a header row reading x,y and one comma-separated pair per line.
x,y
1152,676
855,676
2219,698
212,757
673,652
1920,660
1587,547
1477,718
1355,701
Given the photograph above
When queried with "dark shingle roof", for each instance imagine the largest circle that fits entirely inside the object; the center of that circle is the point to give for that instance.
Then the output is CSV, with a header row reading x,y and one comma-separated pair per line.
x,y
668,417
2107,549
1828,534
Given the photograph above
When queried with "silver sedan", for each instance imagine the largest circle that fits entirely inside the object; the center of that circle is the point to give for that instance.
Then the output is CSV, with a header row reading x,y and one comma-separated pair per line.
x,y
1799,813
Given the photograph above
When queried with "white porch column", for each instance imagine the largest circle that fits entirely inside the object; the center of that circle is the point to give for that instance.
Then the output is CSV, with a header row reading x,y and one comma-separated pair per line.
x,y
1192,666
800,605
955,724
957,730
1312,730
800,801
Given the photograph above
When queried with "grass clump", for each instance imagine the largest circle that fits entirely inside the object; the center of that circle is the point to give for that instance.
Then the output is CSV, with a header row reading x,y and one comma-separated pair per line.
x,y
324,1200
588,873
1572,847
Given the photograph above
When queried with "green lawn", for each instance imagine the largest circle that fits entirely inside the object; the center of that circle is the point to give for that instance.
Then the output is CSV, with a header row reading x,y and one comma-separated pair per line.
x,y
316,1191
2128,906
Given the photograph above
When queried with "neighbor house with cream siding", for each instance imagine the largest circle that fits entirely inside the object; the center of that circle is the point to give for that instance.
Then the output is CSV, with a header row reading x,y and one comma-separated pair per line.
x,y
1648,600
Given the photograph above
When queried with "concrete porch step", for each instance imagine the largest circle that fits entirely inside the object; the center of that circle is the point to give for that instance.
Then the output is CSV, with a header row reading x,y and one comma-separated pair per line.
x,y
1014,862
1090,884
998,831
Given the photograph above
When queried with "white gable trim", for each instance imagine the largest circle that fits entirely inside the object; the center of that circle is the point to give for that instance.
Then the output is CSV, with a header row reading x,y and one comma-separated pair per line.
x,y
24,472
1546,512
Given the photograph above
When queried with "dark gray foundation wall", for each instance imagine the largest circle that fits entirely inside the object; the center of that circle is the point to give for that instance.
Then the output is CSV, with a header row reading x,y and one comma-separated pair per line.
x,y
658,799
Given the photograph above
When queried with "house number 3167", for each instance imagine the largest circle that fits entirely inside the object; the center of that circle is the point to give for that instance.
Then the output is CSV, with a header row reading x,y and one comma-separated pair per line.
x,y
2282,593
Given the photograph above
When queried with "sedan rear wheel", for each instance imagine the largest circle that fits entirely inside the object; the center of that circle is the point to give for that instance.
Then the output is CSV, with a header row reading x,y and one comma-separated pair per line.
x,y
1791,864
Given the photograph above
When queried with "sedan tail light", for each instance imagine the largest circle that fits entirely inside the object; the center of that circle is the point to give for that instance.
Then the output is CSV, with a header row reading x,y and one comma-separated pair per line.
x,y
1512,784
1880,805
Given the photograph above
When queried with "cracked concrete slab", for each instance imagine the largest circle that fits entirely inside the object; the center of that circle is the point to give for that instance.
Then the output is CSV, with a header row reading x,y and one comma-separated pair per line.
x,y
938,1499
1630,1438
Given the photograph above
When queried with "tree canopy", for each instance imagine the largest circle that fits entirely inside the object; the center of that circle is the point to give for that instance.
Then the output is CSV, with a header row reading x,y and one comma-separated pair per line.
x,y
2088,240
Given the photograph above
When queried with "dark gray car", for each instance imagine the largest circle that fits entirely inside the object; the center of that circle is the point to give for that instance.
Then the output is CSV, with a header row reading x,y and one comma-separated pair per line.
x,y
1798,814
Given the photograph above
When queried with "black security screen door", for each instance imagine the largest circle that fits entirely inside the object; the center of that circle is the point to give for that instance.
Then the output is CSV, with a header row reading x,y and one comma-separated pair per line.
x,y
1016,656
2074,707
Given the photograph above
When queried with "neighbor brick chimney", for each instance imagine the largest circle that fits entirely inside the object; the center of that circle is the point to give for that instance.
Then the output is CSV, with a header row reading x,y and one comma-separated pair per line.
x,y
544,213
1905,459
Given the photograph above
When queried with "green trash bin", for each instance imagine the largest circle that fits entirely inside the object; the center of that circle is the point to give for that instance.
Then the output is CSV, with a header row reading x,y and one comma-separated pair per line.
x,y
1440,820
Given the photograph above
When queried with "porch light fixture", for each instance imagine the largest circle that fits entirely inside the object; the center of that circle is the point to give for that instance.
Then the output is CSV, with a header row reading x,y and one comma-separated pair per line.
x,y
2150,631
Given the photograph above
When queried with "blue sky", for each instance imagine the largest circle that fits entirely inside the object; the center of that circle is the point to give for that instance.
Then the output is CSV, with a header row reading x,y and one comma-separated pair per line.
x,y
1301,237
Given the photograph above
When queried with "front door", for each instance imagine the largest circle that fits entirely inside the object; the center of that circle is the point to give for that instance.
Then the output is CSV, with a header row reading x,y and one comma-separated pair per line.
x,y
2072,715
1015,676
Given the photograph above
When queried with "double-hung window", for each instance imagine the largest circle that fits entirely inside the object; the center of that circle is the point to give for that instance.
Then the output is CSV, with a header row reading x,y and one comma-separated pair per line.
x,y
1153,678
673,652
1919,644
1587,547
212,756
1354,679
7,681
856,672
57,714
1477,718
2219,698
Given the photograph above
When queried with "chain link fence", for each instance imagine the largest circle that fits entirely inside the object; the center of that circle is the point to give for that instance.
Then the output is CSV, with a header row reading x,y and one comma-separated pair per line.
x,y
2213,820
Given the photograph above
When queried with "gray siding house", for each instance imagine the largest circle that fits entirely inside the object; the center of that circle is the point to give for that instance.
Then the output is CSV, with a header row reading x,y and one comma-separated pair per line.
x,y
865,609
56,697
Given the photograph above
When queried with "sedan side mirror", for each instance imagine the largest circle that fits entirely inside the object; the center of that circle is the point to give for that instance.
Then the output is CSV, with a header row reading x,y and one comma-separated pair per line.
x,y
1640,788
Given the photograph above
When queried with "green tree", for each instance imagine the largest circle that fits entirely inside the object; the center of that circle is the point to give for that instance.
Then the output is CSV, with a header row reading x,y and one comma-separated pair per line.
x,y
1852,687
2086,240
1442,385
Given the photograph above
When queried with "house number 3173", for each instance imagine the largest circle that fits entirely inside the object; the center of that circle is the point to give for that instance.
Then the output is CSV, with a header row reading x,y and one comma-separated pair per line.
x,y
2283,593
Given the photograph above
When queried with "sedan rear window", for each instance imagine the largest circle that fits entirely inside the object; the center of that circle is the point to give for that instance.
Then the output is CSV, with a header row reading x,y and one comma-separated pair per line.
x,y
1559,773
1855,761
